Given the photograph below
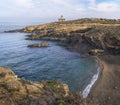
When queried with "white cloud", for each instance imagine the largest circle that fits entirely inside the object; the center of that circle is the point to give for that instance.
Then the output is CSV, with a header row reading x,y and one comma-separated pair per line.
x,y
24,3
105,7
80,9
54,8
51,9
92,2
61,2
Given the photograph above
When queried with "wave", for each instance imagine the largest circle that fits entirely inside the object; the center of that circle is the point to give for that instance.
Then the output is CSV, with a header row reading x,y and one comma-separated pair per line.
x,y
89,86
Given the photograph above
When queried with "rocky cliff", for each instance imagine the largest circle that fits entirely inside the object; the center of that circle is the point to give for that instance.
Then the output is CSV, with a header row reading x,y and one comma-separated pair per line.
x,y
105,39
18,91
83,35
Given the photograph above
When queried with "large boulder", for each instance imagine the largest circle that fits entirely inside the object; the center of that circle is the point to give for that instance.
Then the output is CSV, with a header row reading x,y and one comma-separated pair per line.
x,y
43,44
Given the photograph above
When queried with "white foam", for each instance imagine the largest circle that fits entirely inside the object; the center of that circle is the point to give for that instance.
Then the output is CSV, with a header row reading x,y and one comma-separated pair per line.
x,y
89,86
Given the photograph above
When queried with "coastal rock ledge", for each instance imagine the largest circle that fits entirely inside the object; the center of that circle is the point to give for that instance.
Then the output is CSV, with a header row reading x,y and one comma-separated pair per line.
x,y
43,44
18,91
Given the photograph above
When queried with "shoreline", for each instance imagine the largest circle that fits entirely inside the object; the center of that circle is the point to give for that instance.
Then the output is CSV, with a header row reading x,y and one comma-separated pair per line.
x,y
95,77
106,90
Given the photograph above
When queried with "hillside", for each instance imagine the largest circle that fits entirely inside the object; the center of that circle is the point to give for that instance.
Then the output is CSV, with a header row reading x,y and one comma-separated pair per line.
x,y
96,35
18,91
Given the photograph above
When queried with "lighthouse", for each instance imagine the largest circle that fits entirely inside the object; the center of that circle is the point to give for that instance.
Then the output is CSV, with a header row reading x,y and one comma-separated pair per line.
x,y
61,19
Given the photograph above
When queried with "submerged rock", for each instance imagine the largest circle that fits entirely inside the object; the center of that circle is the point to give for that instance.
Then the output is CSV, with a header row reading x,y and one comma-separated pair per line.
x,y
43,44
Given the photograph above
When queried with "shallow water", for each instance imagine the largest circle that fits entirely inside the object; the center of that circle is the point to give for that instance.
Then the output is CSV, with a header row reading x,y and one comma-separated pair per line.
x,y
54,62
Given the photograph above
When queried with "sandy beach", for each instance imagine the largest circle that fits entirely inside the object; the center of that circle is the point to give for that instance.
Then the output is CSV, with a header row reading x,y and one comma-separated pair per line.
x,y
106,90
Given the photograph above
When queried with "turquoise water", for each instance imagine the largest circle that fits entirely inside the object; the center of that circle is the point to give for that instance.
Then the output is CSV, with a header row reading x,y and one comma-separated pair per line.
x,y
36,64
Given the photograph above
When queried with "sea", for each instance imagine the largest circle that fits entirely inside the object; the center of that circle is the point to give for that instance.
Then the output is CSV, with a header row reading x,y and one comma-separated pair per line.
x,y
51,63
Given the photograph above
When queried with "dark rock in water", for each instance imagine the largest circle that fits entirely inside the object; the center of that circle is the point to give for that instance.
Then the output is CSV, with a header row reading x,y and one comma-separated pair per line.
x,y
43,44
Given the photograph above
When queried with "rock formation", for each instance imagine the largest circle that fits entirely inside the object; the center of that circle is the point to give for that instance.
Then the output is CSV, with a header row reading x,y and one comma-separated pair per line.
x,y
96,52
18,91
104,38
43,44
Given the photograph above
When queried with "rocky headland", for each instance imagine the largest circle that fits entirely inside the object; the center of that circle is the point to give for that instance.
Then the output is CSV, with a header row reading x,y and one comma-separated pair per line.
x,y
97,37
18,91
84,35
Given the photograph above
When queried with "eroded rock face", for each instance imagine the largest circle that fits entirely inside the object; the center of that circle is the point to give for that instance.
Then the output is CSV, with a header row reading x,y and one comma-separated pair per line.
x,y
107,39
104,38
17,91
43,44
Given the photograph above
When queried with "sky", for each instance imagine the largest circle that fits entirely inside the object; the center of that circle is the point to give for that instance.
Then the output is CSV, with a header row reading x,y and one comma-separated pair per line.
x,y
51,10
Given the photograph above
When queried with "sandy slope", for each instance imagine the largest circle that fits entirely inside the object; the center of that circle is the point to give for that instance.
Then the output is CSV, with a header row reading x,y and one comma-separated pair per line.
x,y
106,91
